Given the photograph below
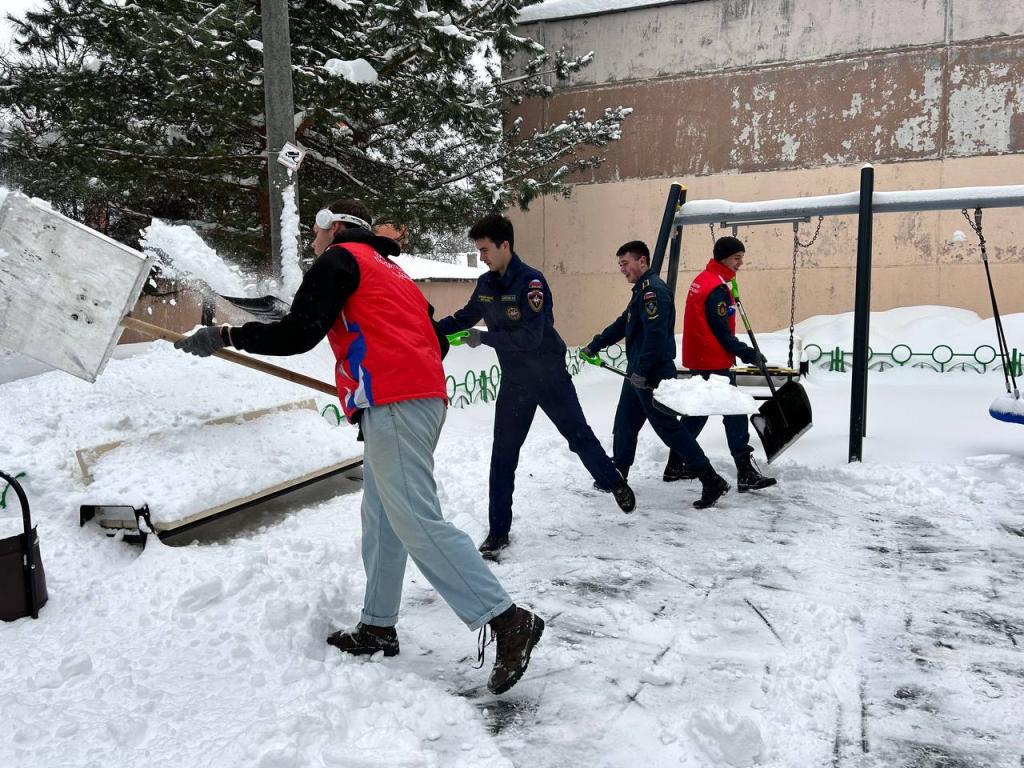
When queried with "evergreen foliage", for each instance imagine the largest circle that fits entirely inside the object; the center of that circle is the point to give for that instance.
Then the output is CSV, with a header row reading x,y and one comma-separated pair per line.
x,y
121,111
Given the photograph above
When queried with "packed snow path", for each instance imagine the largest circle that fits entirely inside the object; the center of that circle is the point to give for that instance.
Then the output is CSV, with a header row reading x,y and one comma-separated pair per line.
x,y
865,615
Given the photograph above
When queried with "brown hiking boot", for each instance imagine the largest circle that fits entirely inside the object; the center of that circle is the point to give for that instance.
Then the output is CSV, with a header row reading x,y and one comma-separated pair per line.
x,y
366,639
517,631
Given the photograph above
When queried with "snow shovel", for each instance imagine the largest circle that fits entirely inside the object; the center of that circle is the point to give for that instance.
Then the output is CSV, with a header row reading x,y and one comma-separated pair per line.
x,y
65,291
786,415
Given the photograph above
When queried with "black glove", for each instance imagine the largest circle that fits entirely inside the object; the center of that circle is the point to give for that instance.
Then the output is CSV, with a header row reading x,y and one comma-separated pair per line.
x,y
752,357
638,381
203,342
474,339
586,351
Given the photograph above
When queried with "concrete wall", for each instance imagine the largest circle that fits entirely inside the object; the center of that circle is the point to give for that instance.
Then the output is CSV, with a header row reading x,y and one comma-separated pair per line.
x,y
748,101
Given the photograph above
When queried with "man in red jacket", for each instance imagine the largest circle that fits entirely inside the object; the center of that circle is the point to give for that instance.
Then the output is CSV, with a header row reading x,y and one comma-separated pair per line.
x,y
710,347
390,381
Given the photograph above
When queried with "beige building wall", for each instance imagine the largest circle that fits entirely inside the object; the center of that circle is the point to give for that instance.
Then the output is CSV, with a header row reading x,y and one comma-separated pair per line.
x,y
918,257
751,101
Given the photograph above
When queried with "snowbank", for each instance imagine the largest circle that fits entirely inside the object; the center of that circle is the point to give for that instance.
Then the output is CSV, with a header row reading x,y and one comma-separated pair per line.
x,y
922,328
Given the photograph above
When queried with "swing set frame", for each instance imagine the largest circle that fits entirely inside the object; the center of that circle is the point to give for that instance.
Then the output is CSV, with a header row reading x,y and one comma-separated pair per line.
x,y
864,203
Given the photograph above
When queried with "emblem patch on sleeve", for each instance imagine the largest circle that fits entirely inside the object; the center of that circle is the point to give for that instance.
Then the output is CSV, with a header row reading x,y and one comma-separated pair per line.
x,y
535,295
651,305
722,309
513,313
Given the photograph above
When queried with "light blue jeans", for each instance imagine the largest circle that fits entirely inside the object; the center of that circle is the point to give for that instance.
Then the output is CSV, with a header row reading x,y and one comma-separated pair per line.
x,y
401,517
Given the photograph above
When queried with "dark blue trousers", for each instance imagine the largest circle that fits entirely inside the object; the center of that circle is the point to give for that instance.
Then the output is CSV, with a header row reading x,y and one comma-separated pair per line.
x,y
637,406
518,400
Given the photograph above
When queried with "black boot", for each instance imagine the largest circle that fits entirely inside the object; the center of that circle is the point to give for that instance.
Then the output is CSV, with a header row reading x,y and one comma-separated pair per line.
x,y
748,478
492,545
623,472
713,487
366,639
624,495
676,469
517,631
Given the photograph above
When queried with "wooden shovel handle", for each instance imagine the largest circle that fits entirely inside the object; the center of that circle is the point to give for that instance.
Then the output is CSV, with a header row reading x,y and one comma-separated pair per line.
x,y
157,332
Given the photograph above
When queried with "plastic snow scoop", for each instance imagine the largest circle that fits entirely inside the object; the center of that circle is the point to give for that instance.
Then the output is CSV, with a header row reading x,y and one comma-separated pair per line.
x,y
1008,408
786,415
596,360
65,291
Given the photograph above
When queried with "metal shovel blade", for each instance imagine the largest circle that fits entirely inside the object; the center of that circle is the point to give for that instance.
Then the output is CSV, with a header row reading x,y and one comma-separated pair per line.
x,y
781,420
63,287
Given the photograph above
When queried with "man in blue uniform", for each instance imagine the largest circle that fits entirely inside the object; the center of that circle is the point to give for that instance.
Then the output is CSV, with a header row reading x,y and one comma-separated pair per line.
x,y
514,300
648,325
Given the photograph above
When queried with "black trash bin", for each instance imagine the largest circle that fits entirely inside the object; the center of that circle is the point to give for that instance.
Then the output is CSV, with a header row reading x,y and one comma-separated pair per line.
x,y
22,581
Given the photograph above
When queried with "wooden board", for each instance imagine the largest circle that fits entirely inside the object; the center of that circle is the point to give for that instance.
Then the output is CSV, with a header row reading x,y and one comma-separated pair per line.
x,y
63,287
87,457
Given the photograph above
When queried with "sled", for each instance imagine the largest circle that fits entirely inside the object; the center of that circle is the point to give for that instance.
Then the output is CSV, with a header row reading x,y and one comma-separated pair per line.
x,y
140,521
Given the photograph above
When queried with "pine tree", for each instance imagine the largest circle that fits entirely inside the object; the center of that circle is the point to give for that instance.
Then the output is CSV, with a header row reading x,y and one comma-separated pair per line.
x,y
120,112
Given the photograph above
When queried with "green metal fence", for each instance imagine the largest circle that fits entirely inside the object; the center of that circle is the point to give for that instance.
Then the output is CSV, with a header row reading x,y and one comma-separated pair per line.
x,y
940,358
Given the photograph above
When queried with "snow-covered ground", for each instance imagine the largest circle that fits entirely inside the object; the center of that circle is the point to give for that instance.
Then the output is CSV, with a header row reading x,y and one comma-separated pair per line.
x,y
856,615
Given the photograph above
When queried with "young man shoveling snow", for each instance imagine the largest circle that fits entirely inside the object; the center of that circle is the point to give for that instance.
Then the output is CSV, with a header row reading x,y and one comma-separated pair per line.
x,y
390,381
648,325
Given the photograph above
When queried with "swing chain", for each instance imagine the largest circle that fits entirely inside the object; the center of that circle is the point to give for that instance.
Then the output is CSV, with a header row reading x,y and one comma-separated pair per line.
x,y
711,226
797,245
976,226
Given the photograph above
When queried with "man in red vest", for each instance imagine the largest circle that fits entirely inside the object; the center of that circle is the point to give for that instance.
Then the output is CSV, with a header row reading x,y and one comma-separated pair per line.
x,y
390,381
710,347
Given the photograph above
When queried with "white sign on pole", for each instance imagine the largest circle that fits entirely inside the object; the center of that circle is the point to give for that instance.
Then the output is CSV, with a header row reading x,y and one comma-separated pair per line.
x,y
291,156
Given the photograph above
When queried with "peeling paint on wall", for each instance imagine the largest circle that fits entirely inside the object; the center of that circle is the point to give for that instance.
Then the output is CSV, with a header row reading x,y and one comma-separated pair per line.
x,y
906,105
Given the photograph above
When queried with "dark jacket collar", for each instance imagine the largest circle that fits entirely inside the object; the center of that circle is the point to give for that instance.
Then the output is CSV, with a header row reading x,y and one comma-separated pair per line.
x,y
515,266
385,246
644,280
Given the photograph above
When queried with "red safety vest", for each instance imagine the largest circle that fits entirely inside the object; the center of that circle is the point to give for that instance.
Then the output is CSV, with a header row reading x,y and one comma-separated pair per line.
x,y
383,339
701,350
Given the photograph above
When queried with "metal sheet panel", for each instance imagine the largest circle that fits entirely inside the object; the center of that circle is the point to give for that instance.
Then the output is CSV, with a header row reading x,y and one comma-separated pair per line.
x,y
63,287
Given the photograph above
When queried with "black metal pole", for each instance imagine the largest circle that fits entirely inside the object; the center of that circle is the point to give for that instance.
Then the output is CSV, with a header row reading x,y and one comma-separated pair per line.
x,y
675,248
861,318
667,218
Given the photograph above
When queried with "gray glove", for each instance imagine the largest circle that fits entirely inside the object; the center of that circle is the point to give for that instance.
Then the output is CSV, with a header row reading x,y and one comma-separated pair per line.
x,y
638,381
203,342
474,339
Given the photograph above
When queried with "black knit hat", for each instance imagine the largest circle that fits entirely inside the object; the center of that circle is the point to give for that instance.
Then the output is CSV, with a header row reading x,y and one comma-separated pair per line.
x,y
726,247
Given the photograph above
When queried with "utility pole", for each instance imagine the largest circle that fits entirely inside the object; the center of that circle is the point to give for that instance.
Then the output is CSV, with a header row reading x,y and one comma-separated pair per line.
x,y
279,114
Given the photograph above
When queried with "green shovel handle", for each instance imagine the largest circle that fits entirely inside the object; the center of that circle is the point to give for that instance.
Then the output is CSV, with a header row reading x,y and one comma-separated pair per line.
x,y
592,359
458,338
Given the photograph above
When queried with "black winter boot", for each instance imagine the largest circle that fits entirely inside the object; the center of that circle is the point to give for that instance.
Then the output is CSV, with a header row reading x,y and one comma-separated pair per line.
x,y
492,545
366,639
676,469
713,487
517,631
748,478
624,495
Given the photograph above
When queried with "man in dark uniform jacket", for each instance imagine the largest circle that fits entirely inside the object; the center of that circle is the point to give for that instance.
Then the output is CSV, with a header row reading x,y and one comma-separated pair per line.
x,y
514,300
710,348
648,325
